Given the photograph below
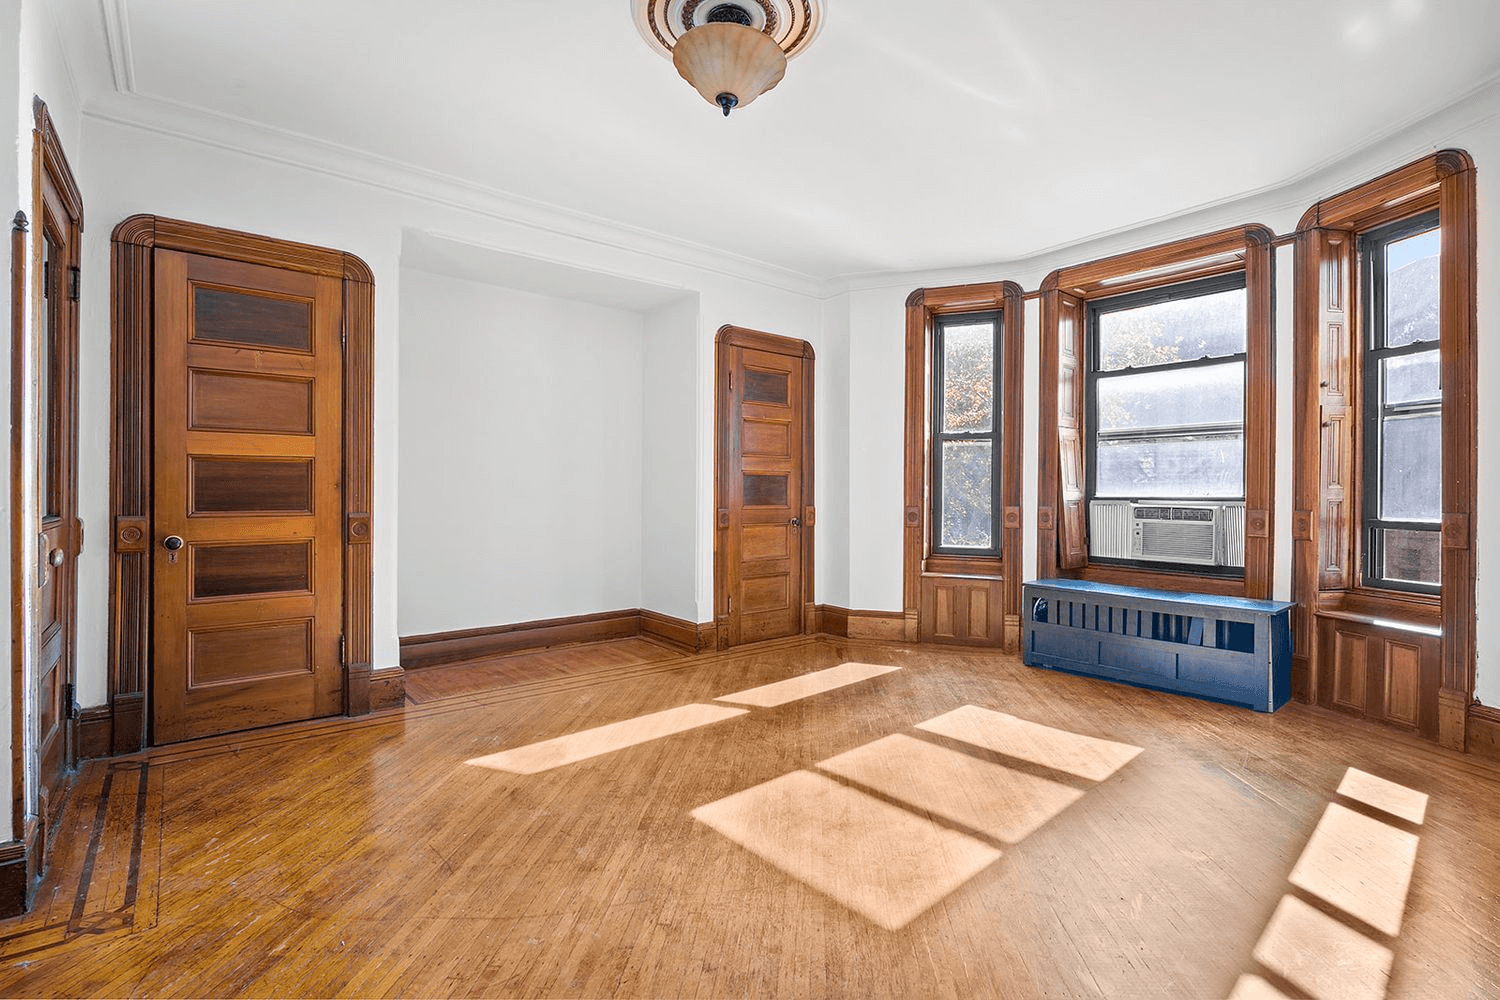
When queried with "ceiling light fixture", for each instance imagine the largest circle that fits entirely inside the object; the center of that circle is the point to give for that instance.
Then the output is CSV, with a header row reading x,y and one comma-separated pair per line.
x,y
731,51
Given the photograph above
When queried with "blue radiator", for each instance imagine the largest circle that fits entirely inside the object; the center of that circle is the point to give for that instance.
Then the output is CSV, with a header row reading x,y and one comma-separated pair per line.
x,y
1228,649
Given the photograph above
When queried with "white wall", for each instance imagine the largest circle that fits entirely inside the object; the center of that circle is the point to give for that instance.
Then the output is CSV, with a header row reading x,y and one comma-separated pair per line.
x,y
242,182
520,443
831,448
877,359
670,433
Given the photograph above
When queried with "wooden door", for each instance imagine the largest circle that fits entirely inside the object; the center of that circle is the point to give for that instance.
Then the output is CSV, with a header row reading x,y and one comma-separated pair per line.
x,y
764,512
248,590
60,535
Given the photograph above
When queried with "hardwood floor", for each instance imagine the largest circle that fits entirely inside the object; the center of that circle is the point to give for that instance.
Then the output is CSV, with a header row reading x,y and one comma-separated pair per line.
x,y
961,826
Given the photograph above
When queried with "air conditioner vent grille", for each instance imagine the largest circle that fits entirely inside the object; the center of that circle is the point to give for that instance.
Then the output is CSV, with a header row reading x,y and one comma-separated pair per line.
x,y
1192,542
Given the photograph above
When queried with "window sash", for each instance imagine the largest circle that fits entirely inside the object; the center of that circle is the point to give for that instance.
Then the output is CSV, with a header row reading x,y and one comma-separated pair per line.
x,y
1377,526
1097,437
940,438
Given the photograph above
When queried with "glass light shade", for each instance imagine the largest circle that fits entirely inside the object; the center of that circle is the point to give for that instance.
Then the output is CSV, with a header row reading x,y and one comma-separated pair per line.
x,y
729,59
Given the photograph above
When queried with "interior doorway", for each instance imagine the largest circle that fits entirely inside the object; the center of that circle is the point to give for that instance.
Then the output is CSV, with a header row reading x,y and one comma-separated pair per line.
x,y
764,513
241,571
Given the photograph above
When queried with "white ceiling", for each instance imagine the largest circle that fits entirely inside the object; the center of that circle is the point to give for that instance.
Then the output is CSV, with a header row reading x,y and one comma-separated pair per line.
x,y
911,135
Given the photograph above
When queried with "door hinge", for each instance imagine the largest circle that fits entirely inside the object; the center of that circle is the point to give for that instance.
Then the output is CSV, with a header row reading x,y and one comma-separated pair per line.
x,y
75,279
77,536
343,652
70,700
731,381
46,279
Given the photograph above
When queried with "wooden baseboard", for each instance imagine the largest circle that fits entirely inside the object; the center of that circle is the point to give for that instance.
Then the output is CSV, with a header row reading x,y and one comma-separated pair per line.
x,y
419,651
1484,732
886,625
675,632
20,864
95,732
128,730
387,688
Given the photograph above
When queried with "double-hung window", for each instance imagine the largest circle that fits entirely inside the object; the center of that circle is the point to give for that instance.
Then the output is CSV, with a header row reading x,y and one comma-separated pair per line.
x,y
966,423
1166,393
1403,406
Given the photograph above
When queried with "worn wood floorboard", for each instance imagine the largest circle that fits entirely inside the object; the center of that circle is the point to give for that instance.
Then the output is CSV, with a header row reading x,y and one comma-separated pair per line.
x,y
366,858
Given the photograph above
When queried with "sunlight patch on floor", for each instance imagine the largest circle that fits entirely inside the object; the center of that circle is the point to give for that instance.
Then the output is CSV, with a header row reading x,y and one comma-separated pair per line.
x,y
1387,796
1083,756
806,685
1360,865
1324,957
991,798
1249,987
877,859
537,757
1361,868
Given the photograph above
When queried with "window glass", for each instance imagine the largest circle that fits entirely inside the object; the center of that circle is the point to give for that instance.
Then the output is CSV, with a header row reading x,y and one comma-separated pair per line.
x,y
1411,289
1186,329
968,377
1173,398
1191,467
968,518
966,436
1403,418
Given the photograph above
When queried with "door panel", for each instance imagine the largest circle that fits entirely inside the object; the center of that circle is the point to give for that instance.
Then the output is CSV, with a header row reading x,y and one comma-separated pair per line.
x,y
761,471
247,464
56,497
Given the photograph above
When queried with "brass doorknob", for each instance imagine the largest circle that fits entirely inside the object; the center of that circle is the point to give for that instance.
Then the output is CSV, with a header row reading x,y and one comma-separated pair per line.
x,y
55,557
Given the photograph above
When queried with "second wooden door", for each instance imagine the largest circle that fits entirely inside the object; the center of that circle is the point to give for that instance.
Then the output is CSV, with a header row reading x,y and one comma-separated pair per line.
x,y
764,510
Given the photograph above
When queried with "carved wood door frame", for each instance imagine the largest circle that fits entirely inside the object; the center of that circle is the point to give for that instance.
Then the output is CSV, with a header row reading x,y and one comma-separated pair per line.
x,y
133,246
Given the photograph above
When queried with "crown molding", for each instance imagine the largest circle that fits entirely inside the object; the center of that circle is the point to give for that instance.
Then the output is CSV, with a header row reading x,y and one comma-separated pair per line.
x,y
253,139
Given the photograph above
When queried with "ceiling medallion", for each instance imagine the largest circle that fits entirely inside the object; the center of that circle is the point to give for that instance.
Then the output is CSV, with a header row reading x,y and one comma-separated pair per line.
x,y
731,51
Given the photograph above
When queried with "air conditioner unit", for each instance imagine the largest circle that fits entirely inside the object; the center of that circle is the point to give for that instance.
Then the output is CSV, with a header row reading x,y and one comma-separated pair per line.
x,y
1180,533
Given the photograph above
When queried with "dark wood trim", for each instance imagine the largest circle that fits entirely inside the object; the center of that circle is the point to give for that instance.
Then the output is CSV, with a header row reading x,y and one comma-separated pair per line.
x,y
132,245
675,632
922,307
18,302
387,688
1484,732
888,626
833,620
1322,538
731,336
433,649
1249,248
95,732
20,866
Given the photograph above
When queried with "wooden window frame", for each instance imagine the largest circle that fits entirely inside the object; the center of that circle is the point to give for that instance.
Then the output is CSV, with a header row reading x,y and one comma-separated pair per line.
x,y
995,435
1327,515
1062,530
1373,311
132,249
923,307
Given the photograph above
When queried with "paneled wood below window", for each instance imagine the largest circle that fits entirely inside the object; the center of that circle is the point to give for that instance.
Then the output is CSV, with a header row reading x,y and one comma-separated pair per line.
x,y
1381,670
963,610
